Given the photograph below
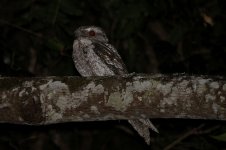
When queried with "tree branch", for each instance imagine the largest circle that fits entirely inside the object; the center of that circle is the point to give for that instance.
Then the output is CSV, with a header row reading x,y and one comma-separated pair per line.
x,y
45,100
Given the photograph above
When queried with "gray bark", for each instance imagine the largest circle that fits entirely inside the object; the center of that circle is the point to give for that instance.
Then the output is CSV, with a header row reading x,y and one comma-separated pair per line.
x,y
46,100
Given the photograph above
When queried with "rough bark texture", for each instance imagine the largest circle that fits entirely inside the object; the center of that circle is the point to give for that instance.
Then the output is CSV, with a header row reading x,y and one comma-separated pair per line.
x,y
46,100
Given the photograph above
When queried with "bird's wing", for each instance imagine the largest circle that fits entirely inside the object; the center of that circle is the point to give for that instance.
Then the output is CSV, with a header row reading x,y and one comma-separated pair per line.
x,y
110,57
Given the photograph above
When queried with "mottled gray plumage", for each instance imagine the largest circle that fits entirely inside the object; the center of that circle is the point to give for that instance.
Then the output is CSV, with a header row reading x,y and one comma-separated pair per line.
x,y
94,56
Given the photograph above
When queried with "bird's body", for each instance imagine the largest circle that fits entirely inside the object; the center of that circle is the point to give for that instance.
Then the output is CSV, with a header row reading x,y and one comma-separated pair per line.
x,y
94,56
88,57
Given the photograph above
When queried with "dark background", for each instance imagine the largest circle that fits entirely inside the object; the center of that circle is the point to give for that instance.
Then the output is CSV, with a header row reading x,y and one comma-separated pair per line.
x,y
165,36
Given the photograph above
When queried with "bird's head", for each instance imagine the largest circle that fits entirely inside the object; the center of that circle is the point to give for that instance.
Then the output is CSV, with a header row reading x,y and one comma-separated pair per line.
x,y
92,33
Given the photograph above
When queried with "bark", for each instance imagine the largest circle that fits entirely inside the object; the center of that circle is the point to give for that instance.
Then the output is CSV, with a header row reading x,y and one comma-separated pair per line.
x,y
45,100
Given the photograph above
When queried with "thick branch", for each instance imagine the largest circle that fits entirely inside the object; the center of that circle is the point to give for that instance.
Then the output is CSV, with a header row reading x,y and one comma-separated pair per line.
x,y
47,100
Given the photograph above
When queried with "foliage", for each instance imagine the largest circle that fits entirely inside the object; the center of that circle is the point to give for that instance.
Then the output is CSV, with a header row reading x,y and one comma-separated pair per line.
x,y
221,137
152,36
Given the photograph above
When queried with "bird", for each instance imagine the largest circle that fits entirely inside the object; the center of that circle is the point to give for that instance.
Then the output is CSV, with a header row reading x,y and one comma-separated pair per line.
x,y
93,55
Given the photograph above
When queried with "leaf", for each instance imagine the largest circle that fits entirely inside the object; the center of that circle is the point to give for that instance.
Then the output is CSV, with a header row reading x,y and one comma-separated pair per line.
x,y
71,8
21,5
221,137
55,45
45,12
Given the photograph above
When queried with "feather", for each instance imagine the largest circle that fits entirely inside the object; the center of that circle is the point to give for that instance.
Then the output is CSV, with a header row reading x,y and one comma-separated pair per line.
x,y
94,56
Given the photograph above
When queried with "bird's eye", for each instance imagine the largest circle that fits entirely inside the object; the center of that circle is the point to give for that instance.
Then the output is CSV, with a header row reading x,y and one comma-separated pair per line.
x,y
92,33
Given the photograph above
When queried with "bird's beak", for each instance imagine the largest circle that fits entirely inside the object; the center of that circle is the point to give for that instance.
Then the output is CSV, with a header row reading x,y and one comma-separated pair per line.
x,y
77,33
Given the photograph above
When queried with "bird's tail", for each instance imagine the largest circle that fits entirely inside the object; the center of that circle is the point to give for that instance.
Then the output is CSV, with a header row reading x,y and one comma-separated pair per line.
x,y
142,127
